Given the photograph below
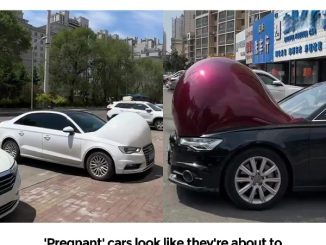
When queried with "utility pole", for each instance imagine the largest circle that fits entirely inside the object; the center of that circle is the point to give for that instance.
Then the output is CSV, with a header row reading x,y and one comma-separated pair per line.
x,y
47,54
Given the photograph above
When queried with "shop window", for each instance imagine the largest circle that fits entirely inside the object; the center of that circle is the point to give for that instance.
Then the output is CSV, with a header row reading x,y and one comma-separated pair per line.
x,y
306,72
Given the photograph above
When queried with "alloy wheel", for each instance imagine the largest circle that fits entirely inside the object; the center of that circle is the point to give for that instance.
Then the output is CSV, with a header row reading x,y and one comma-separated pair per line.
x,y
11,148
98,165
159,124
257,180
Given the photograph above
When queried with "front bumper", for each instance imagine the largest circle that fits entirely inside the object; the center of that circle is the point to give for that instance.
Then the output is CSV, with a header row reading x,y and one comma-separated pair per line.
x,y
136,162
10,200
198,171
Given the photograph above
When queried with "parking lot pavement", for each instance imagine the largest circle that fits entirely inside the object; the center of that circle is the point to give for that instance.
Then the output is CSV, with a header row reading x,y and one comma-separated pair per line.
x,y
186,206
55,193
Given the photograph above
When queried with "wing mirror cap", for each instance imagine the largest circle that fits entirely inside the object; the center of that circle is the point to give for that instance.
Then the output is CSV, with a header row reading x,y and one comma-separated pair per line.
x,y
69,130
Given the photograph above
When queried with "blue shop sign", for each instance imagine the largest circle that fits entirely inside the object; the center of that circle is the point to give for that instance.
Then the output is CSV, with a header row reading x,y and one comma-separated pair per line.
x,y
263,40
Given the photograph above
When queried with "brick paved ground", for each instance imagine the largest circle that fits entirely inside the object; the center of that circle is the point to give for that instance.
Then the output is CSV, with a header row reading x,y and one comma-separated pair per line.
x,y
64,194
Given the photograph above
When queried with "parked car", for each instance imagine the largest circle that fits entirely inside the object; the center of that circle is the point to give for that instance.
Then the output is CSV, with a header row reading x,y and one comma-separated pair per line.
x,y
9,184
231,135
82,140
150,112
278,89
173,80
160,106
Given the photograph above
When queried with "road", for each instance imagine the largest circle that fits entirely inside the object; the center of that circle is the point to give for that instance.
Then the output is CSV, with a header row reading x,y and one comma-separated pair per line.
x,y
56,193
186,206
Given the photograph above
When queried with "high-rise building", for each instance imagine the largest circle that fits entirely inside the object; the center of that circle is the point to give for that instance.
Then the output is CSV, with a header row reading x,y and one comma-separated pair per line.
x,y
37,43
205,33
189,35
177,34
254,15
61,20
230,22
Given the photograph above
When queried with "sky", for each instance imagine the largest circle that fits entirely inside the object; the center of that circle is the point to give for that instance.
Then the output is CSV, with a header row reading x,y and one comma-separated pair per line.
x,y
167,25
142,24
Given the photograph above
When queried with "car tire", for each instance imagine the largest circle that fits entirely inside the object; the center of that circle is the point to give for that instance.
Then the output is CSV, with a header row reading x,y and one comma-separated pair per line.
x,y
100,166
11,147
256,179
158,124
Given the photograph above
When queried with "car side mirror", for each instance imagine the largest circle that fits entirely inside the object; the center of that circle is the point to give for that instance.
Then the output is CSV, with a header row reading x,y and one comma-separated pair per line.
x,y
148,110
277,83
69,130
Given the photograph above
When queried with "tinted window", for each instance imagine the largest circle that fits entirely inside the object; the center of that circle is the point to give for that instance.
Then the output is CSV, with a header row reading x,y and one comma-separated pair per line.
x,y
86,121
266,79
124,105
46,120
139,107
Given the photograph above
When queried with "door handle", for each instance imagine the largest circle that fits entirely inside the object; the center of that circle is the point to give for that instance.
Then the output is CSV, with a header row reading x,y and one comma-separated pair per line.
x,y
21,133
47,137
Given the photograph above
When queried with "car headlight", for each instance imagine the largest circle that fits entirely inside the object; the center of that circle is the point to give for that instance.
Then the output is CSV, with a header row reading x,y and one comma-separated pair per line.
x,y
129,149
200,144
14,168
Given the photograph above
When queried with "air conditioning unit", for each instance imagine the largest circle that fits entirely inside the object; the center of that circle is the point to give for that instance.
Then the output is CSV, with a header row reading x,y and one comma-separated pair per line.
x,y
188,36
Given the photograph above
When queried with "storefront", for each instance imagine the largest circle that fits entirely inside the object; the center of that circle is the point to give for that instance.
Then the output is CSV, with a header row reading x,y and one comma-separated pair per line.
x,y
299,46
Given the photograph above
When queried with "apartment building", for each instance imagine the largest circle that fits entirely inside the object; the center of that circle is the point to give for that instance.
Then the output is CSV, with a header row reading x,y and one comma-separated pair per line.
x,y
230,23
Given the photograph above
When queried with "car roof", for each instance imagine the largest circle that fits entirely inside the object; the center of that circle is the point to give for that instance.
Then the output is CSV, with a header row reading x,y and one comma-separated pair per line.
x,y
130,101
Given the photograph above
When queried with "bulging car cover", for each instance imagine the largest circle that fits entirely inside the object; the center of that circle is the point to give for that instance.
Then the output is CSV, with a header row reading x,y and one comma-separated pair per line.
x,y
128,129
218,94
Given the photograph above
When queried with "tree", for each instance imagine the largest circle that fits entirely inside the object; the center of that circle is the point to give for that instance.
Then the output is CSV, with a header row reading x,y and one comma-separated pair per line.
x,y
174,62
147,78
70,55
111,65
14,39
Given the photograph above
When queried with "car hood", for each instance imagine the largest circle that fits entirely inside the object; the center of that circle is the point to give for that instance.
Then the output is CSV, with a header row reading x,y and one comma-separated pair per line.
x,y
6,161
125,129
218,94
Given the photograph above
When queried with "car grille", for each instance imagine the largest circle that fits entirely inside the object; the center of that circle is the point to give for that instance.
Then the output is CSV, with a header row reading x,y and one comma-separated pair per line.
x,y
149,153
7,182
5,208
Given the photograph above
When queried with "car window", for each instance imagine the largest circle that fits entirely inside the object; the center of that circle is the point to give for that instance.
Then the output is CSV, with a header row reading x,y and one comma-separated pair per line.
x,y
86,121
322,116
266,79
124,105
306,102
154,107
46,120
140,107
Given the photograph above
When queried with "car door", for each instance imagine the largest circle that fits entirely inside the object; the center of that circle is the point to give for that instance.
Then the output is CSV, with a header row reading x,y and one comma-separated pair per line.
x,y
278,91
59,146
140,109
28,134
318,151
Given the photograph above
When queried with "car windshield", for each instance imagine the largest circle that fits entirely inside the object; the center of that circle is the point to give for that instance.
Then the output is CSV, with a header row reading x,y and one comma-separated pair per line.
x,y
86,121
154,107
305,102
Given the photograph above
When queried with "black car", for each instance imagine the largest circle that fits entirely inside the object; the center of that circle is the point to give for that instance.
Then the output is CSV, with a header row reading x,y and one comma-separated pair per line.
x,y
256,165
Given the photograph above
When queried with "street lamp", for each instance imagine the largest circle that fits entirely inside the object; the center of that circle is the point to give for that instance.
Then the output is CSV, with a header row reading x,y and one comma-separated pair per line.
x,y
32,85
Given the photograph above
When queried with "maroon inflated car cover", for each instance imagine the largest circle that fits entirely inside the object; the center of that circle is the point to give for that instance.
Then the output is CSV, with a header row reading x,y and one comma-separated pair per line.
x,y
218,94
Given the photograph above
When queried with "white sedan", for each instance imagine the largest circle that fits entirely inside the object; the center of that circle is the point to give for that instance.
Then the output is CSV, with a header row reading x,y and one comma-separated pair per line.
x,y
9,184
80,139
278,89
